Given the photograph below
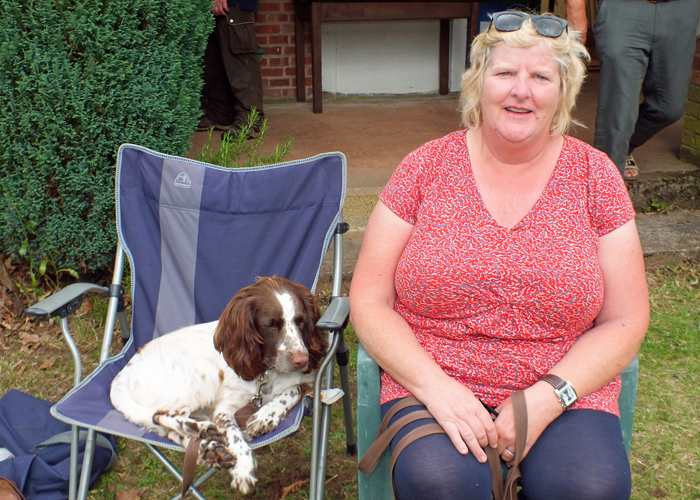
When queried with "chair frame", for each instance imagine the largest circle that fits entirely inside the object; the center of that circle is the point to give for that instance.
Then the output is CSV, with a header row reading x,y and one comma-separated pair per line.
x,y
334,320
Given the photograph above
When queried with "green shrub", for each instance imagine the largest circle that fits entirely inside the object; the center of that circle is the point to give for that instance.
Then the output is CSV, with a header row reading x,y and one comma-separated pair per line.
x,y
77,79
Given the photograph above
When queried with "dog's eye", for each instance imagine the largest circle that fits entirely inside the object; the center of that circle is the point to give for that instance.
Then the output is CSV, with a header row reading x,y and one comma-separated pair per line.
x,y
300,321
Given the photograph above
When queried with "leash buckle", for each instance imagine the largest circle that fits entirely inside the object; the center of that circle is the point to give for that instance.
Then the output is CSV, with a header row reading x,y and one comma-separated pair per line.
x,y
260,382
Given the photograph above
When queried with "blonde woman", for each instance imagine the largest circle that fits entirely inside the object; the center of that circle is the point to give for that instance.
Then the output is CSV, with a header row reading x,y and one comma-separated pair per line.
x,y
490,266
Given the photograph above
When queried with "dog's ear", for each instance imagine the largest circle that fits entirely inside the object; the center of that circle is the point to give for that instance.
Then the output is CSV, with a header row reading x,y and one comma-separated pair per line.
x,y
314,338
237,337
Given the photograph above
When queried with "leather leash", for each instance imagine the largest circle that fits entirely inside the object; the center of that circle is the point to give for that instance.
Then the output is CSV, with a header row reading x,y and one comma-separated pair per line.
x,y
241,416
387,432
190,464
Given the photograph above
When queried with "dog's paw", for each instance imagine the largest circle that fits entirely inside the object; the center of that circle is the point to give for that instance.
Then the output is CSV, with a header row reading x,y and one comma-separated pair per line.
x,y
216,454
212,432
265,420
242,475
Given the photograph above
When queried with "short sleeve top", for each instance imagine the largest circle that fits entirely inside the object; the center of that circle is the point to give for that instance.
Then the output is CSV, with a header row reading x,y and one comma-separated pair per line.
x,y
496,308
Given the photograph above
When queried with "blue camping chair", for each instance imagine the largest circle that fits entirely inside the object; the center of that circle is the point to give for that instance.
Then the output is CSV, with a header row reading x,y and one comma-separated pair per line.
x,y
194,234
377,486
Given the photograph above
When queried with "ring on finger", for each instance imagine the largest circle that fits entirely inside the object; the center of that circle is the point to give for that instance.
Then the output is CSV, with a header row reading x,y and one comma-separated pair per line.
x,y
509,452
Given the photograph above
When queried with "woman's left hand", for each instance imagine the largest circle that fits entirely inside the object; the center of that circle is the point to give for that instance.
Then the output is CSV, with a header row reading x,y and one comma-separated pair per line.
x,y
542,408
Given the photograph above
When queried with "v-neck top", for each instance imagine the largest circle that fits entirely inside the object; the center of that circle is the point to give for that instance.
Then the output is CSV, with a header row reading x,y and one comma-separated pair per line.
x,y
496,308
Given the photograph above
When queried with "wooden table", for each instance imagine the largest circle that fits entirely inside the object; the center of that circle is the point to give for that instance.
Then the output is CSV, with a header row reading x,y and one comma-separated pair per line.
x,y
317,12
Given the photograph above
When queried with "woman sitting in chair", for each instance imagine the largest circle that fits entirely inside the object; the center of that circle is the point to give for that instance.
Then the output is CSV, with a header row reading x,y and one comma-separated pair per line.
x,y
505,258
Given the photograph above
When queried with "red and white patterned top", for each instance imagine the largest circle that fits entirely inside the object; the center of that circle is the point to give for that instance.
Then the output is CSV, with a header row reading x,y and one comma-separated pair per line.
x,y
496,308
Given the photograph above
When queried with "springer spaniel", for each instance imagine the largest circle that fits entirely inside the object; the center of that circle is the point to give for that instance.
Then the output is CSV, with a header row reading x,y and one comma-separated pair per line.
x,y
189,384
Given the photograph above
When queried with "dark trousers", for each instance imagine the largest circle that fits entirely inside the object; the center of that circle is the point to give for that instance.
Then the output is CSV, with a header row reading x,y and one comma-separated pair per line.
x,y
641,47
579,456
232,71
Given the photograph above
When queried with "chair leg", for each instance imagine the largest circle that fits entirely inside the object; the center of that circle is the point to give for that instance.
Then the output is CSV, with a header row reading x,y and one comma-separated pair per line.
x,y
74,453
87,464
318,480
347,404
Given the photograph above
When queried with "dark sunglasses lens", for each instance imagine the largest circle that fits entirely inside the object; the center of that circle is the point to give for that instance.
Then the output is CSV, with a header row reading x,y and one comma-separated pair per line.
x,y
550,27
505,21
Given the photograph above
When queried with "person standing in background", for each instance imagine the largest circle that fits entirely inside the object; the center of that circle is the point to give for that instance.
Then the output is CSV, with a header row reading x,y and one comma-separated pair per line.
x,y
232,75
643,46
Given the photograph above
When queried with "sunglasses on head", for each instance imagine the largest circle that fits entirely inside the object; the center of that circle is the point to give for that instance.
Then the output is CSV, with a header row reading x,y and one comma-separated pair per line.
x,y
545,24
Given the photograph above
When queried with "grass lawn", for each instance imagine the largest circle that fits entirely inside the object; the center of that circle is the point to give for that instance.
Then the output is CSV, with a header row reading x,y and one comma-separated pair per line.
x,y
665,447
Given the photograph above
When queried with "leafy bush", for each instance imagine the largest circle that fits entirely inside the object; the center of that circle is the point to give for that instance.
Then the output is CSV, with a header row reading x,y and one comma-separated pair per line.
x,y
77,79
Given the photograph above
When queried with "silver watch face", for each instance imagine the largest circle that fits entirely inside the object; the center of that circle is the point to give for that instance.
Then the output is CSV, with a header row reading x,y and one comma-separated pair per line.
x,y
567,394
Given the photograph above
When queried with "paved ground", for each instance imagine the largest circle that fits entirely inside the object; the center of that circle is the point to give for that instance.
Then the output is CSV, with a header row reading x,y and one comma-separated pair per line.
x,y
376,132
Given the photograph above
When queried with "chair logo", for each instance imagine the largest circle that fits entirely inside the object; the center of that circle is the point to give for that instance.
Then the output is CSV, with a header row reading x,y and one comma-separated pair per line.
x,y
183,181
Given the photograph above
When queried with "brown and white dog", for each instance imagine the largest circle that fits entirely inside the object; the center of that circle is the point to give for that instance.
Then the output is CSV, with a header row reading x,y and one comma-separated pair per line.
x,y
190,383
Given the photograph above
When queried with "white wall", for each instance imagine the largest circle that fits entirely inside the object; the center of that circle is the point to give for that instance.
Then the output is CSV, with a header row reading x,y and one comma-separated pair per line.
x,y
389,57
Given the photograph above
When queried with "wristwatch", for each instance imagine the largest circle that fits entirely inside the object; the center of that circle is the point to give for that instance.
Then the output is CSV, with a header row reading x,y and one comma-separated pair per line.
x,y
563,389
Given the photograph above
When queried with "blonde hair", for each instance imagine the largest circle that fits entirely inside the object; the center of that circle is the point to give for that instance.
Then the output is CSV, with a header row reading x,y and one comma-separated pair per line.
x,y
569,53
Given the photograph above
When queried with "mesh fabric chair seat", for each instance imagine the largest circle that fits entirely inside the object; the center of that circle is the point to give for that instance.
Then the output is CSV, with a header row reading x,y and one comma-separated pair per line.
x,y
194,234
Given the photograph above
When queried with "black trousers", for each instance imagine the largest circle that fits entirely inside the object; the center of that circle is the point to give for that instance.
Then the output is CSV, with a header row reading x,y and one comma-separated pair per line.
x,y
232,70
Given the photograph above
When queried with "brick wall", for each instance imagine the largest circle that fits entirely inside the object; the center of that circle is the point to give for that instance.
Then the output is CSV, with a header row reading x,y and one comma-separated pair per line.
x,y
690,143
274,27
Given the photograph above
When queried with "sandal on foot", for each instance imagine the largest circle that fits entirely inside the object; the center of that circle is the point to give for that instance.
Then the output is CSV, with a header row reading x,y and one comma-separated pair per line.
x,y
631,168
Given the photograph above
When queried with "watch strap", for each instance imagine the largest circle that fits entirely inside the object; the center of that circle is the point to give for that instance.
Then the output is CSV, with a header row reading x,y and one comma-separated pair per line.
x,y
556,381
563,389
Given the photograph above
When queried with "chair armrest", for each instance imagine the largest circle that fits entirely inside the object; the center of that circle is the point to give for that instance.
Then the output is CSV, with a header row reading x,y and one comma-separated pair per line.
x,y
336,316
627,401
376,486
66,301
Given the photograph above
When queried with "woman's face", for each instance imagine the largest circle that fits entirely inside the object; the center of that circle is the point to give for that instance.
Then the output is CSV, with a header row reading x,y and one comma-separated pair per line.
x,y
521,92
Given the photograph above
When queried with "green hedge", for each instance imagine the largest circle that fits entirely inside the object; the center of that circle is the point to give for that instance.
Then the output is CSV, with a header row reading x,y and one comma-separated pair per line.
x,y
77,79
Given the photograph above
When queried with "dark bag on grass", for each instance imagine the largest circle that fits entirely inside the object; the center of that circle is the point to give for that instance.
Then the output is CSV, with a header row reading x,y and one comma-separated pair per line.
x,y
41,447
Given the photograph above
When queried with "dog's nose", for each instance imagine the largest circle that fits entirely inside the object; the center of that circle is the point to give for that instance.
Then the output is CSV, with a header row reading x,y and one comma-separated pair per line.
x,y
300,359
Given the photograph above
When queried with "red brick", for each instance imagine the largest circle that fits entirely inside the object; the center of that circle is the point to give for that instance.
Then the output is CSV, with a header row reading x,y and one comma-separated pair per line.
x,y
269,7
268,29
279,39
695,77
272,72
280,82
272,93
278,62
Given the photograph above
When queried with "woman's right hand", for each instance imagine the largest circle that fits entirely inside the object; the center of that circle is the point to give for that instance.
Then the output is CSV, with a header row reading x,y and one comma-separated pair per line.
x,y
465,420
